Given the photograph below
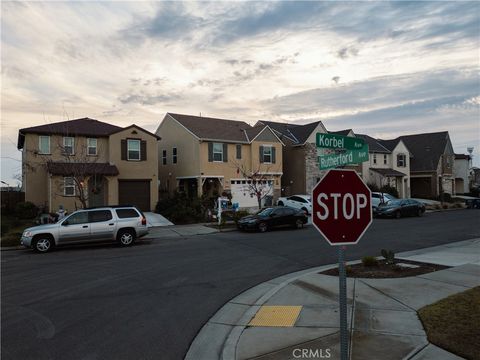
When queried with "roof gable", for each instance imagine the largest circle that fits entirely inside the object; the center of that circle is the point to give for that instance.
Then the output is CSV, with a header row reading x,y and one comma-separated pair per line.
x,y
374,146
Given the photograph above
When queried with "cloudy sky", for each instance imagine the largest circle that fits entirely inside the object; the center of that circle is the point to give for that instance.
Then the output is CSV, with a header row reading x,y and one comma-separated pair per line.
x,y
381,68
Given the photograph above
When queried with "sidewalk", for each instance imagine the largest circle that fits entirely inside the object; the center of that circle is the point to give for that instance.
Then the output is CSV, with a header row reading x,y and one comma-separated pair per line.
x,y
382,315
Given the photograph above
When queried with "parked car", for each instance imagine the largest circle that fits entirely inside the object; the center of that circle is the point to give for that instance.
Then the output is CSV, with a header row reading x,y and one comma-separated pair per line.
x,y
302,202
273,217
399,208
115,223
381,198
472,203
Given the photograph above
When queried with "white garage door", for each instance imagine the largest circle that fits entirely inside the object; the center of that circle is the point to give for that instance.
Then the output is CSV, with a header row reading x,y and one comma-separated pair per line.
x,y
241,193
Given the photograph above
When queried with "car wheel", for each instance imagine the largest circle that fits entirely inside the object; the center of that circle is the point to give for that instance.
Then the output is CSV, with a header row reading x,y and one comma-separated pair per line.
x,y
299,224
280,203
126,237
262,227
419,212
398,215
43,244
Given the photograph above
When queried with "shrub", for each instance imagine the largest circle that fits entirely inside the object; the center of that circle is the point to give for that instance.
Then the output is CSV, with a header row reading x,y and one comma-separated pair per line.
x,y
239,214
389,256
26,210
373,187
445,206
446,197
369,261
4,229
181,209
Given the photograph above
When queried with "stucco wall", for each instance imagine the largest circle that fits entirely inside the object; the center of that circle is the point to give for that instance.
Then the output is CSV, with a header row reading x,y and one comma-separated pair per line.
x,y
460,170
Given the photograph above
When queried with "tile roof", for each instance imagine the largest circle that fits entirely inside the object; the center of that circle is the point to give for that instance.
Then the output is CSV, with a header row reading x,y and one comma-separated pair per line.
x,y
66,169
373,144
426,149
213,128
76,127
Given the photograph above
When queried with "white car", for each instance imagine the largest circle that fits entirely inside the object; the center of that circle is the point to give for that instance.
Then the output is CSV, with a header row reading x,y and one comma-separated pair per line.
x,y
381,198
301,202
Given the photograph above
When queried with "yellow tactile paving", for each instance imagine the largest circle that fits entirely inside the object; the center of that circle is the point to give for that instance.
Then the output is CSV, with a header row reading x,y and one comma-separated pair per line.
x,y
285,316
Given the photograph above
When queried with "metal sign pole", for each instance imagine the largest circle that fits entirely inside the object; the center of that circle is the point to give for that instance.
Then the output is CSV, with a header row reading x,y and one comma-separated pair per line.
x,y
342,282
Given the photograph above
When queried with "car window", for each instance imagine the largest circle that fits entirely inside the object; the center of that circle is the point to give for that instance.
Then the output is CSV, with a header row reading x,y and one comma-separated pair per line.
x,y
265,212
78,218
376,196
100,215
288,212
296,198
126,213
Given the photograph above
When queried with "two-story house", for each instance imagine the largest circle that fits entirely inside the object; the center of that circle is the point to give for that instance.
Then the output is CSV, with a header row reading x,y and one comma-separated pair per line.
x,y
86,162
300,155
388,164
461,169
431,163
203,155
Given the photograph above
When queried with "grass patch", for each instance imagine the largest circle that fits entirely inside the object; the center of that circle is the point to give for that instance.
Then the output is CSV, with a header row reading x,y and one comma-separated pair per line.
x,y
453,323
12,229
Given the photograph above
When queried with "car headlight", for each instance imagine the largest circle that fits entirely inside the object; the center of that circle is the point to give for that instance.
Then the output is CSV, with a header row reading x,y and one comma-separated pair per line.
x,y
27,234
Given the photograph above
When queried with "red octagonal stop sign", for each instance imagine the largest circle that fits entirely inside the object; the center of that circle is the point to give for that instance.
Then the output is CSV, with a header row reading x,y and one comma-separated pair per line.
x,y
342,209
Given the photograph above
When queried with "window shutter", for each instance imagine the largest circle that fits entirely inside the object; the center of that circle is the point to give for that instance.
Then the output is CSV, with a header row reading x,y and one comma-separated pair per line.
x,y
143,150
260,154
210,152
124,149
273,154
239,151
225,152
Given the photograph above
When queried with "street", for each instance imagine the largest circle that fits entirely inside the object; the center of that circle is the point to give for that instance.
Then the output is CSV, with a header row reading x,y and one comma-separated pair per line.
x,y
149,301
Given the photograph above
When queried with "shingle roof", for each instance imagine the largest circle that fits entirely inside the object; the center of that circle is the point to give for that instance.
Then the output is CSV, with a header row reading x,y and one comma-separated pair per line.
x,y
298,133
388,172
462,157
66,169
254,131
426,149
341,132
213,128
389,144
373,144
77,127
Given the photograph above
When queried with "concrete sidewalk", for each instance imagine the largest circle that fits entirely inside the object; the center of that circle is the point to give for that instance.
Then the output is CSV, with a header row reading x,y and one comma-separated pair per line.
x,y
383,319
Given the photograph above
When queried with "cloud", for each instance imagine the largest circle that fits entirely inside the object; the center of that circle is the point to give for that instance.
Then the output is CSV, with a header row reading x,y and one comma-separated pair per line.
x,y
347,52
147,99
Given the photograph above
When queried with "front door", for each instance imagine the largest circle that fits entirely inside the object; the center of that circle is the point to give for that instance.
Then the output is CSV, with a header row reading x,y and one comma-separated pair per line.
x,y
74,228
96,191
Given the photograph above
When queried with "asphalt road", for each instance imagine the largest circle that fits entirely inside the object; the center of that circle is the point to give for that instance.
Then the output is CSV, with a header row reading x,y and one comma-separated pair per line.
x,y
149,301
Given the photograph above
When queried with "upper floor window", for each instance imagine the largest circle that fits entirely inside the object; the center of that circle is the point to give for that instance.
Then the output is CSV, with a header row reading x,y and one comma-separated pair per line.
x,y
68,186
385,159
374,158
44,144
68,145
164,157
92,146
133,149
239,151
174,155
267,154
217,152
401,160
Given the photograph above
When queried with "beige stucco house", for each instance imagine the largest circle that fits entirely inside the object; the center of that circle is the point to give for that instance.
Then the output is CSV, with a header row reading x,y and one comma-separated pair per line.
x,y
87,160
461,170
388,164
202,155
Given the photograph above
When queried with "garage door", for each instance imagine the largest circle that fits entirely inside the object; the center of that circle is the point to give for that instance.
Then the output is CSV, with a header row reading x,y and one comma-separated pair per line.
x,y
241,193
134,192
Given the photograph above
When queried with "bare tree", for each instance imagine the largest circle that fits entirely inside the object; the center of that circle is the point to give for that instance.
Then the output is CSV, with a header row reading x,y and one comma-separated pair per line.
x,y
258,183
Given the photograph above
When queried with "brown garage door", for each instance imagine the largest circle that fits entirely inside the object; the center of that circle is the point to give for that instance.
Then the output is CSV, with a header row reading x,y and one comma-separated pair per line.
x,y
134,192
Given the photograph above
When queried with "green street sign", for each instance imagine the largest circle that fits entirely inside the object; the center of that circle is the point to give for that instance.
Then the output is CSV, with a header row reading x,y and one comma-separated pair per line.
x,y
344,158
331,141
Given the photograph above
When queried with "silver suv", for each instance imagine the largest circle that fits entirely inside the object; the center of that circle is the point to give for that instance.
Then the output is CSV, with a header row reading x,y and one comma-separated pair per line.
x,y
121,223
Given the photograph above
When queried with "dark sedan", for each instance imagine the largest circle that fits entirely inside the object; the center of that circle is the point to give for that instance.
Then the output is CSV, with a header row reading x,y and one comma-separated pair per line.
x,y
399,208
273,217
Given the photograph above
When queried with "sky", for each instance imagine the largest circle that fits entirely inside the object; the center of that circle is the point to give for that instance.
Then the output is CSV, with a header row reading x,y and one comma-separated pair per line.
x,y
380,68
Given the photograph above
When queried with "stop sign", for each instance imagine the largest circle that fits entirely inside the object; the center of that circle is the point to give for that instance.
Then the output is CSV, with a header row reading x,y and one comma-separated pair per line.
x,y
342,209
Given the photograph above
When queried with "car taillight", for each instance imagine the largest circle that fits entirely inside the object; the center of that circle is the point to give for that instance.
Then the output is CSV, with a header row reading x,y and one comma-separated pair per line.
x,y
144,221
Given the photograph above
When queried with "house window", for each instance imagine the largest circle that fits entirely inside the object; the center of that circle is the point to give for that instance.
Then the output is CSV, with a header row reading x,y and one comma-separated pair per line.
x,y
374,158
133,149
92,146
385,159
267,154
174,155
44,145
217,152
68,186
68,145
164,157
401,160
239,151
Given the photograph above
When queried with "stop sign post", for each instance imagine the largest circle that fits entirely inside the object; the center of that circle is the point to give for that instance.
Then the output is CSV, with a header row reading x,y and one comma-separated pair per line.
x,y
342,212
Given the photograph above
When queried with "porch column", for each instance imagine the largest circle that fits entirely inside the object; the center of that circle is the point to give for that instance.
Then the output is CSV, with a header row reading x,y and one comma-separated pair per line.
x,y
199,186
